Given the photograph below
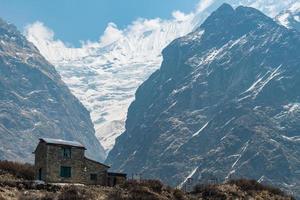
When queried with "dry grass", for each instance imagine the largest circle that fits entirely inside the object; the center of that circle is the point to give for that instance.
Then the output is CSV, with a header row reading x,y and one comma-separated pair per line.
x,y
13,188
19,170
209,192
75,193
254,186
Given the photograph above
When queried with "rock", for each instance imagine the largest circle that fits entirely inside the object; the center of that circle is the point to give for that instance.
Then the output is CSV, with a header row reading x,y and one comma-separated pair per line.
x,y
225,103
34,102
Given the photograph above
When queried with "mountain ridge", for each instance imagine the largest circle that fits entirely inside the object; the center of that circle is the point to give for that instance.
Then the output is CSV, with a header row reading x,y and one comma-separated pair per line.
x,y
221,102
35,102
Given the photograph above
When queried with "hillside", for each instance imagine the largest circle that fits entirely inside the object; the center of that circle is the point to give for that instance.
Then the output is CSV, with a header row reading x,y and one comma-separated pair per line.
x,y
15,184
225,101
34,102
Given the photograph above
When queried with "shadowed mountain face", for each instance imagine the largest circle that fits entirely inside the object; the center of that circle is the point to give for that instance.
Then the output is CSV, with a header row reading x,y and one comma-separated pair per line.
x,y
225,102
35,103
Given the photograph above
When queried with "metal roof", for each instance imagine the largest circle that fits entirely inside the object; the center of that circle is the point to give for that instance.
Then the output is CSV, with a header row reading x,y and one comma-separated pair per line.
x,y
62,142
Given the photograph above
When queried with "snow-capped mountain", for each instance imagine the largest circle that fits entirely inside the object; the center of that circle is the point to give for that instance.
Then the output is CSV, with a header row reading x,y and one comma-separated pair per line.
x,y
35,102
290,17
104,75
105,78
224,104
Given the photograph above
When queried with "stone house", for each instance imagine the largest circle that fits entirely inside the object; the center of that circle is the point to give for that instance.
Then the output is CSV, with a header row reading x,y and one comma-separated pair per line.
x,y
61,161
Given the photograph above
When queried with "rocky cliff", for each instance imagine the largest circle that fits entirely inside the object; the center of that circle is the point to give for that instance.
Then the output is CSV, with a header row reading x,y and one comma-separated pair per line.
x,y
34,102
225,103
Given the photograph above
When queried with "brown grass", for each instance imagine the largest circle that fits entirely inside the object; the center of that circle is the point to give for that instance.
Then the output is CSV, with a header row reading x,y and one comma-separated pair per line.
x,y
153,185
75,193
209,192
19,170
253,185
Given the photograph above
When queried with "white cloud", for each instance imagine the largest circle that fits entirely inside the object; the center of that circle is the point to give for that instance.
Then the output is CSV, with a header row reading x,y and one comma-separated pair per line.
x,y
180,16
204,4
111,34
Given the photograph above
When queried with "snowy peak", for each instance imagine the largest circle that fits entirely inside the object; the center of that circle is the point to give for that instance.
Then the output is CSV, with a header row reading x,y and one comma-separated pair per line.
x,y
235,22
290,18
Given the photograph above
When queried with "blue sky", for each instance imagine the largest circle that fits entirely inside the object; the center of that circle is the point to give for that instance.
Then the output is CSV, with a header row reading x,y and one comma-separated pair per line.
x,y
75,20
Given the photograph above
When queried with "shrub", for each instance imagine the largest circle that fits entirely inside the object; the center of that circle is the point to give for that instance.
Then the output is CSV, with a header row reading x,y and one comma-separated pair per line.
x,y
28,196
142,193
142,190
115,195
31,196
153,185
209,192
253,185
178,194
20,170
75,193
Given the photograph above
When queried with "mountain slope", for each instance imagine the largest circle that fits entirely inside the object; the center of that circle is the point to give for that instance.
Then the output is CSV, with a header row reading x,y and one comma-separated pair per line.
x,y
104,75
34,102
224,103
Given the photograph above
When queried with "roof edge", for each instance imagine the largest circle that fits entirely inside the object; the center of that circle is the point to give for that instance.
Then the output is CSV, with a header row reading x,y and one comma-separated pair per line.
x,y
89,159
63,143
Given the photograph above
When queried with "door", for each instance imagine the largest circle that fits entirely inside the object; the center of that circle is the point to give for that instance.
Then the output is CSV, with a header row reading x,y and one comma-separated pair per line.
x,y
40,174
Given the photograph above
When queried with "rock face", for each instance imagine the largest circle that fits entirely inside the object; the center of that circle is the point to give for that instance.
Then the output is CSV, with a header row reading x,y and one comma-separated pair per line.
x,y
105,76
225,102
34,102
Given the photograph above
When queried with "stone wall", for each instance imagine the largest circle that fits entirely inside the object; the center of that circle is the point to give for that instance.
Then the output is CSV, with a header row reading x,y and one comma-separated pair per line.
x,y
40,160
93,167
55,160
50,158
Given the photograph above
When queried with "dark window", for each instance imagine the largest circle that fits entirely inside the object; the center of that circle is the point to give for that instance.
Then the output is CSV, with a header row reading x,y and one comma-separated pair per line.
x,y
94,177
65,172
66,152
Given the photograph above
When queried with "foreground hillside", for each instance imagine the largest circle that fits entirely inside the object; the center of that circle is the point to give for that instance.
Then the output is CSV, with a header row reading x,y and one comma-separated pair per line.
x,y
226,100
16,184
34,101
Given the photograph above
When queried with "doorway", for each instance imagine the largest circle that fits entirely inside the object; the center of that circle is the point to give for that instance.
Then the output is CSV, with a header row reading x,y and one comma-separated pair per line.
x,y
40,174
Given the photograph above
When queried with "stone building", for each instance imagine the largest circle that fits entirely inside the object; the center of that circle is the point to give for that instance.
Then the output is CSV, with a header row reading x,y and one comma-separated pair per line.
x,y
61,161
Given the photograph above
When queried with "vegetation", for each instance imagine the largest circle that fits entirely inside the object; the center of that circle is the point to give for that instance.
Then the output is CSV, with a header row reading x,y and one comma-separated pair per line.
x,y
244,189
254,186
16,184
19,170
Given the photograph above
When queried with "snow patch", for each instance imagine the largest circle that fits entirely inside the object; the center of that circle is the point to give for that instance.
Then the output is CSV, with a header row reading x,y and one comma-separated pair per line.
x,y
188,177
200,130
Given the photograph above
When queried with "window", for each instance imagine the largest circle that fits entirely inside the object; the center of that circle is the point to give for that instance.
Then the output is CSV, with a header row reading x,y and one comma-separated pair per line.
x,y
66,152
65,172
94,177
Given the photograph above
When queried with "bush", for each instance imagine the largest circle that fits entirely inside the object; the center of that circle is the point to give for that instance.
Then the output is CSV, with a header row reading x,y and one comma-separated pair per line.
x,y
153,185
209,192
253,185
115,195
30,196
19,170
75,193
178,194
